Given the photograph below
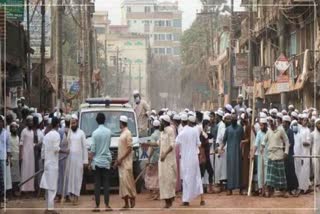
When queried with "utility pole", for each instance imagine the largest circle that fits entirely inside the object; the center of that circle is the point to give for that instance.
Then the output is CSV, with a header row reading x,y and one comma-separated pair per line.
x,y
42,52
80,54
140,77
130,79
118,79
106,68
59,66
86,77
90,48
231,44
29,71
250,60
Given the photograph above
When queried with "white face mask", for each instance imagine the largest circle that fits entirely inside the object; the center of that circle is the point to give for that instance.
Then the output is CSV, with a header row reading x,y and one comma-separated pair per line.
x,y
137,100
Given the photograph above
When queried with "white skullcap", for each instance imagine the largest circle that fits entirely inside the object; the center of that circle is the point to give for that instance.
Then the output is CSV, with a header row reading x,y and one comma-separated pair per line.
x,y
169,113
273,111
265,110
280,115
242,110
22,98
313,118
291,107
136,92
156,123
68,117
39,116
166,118
186,110
32,109
192,118
263,115
226,115
206,117
305,111
240,96
233,111
14,124
176,117
123,118
284,112
294,114
286,118
243,116
57,114
270,119
220,113
294,122
50,120
315,113
263,120
317,121
304,116
296,110
300,116
74,117
228,107
249,110
46,117
153,112
28,118
184,117
191,113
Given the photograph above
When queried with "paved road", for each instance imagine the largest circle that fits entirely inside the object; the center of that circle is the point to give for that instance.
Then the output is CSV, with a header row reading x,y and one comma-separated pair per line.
x,y
215,203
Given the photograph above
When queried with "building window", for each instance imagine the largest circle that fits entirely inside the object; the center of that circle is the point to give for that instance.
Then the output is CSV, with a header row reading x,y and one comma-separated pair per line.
x,y
128,9
134,21
160,23
177,23
176,51
169,37
176,37
168,23
162,51
169,51
147,9
100,30
128,22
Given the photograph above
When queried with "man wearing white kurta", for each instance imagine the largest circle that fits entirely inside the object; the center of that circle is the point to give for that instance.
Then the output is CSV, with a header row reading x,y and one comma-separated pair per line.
x,y
305,150
189,142
51,151
315,140
220,159
78,158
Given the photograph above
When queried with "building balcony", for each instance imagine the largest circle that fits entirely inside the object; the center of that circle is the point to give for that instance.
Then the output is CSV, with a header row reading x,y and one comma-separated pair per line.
x,y
166,43
154,15
158,29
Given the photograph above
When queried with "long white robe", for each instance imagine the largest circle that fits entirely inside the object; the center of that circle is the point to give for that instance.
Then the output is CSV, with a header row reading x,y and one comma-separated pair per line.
x,y
220,164
51,144
302,165
28,164
315,140
189,142
78,156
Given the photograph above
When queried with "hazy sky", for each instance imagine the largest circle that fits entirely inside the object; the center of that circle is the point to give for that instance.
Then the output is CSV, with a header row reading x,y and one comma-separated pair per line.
x,y
189,8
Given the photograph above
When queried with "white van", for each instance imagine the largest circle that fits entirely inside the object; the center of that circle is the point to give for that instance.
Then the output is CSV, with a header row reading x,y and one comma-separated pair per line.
x,y
113,109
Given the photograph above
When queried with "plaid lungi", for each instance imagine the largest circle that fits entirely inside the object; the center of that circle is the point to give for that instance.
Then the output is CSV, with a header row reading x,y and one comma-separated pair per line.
x,y
276,174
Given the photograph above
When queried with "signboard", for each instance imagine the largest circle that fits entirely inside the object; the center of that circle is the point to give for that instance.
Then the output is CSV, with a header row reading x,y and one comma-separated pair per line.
x,y
15,10
241,71
35,29
283,83
282,63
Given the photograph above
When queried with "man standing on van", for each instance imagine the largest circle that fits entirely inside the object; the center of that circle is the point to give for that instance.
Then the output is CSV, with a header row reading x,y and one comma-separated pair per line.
x,y
141,109
100,159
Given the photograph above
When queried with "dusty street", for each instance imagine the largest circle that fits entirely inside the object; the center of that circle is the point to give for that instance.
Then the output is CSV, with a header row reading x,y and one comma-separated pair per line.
x,y
214,204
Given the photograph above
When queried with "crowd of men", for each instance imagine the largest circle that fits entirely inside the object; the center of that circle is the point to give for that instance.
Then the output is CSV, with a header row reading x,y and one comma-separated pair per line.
x,y
188,152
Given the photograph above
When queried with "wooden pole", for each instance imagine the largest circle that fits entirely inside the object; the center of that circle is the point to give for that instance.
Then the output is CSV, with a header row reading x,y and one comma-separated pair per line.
x,y
252,143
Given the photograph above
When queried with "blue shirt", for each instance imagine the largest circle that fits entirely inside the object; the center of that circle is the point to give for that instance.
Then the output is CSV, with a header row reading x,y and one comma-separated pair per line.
x,y
101,140
4,144
259,140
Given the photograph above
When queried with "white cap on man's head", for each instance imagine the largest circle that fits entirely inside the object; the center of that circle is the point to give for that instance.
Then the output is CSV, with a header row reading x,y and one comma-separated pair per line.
x,y
184,117
263,120
124,118
156,123
74,117
240,96
166,118
136,92
286,118
176,117
192,118
206,117
220,113
291,107
294,115
262,115
279,115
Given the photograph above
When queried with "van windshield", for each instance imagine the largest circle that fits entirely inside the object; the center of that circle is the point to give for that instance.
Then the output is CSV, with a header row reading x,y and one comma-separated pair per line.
x,y
89,123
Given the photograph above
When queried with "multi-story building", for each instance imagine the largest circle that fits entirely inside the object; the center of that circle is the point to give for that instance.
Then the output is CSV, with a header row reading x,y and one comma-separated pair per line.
x,y
161,23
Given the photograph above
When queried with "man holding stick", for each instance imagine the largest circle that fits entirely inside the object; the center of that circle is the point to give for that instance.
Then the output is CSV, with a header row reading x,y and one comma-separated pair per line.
x,y
51,152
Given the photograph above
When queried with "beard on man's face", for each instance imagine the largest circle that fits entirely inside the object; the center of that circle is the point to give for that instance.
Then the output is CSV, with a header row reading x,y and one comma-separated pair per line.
x,y
74,128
